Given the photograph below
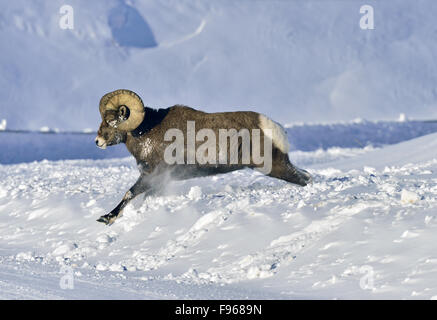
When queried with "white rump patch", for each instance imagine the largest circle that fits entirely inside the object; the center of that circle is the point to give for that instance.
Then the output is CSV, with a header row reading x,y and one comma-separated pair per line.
x,y
277,133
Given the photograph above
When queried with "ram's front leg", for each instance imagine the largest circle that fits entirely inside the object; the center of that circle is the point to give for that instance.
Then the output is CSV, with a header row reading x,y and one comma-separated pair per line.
x,y
139,187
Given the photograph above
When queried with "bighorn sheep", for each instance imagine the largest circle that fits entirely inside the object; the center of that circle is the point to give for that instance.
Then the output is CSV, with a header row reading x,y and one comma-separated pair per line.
x,y
148,135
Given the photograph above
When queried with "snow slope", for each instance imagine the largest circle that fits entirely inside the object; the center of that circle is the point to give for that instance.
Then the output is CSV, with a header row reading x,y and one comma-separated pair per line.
x,y
369,213
365,228
292,60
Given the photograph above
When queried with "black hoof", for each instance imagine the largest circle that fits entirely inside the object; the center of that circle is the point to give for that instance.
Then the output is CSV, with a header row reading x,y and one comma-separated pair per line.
x,y
106,219
304,177
103,219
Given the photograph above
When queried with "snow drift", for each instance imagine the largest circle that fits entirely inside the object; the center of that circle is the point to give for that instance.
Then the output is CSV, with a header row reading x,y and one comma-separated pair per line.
x,y
240,234
365,227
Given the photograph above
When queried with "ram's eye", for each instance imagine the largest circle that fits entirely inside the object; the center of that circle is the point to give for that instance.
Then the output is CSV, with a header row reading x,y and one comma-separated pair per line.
x,y
106,136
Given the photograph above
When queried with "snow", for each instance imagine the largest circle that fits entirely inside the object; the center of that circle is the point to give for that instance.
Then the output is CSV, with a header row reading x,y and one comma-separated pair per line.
x,y
241,235
359,108
409,196
3,124
302,61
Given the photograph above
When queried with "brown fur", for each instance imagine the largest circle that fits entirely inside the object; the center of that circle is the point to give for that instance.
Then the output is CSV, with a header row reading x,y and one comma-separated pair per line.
x,y
177,118
148,149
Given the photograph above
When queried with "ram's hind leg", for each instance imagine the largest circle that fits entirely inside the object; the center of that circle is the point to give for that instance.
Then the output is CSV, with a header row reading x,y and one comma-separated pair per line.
x,y
142,185
283,169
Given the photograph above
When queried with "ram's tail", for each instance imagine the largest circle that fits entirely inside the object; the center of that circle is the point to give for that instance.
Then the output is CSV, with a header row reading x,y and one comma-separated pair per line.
x,y
276,133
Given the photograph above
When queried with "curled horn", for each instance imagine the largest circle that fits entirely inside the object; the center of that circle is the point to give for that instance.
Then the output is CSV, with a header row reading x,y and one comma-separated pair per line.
x,y
122,109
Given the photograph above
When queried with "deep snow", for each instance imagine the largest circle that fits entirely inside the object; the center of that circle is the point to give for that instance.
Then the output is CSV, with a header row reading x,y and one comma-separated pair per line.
x,y
365,228
239,235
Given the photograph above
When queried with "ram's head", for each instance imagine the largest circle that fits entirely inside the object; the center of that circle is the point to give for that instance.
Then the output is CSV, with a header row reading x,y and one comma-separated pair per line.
x,y
122,111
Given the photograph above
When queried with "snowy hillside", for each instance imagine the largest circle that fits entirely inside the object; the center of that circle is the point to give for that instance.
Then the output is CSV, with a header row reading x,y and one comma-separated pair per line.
x,y
364,229
369,212
292,60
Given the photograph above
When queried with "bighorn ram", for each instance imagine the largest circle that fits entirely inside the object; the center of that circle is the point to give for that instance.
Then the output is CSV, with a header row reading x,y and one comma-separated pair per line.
x,y
148,135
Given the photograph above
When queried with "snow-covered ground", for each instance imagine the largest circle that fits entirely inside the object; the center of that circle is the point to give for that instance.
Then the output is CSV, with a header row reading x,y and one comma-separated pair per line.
x,y
365,228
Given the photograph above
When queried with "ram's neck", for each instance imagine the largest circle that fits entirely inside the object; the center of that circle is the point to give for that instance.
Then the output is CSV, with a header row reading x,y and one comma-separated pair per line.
x,y
139,142
152,118
132,144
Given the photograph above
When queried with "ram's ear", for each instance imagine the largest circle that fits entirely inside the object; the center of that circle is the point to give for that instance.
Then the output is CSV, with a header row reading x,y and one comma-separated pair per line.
x,y
123,113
